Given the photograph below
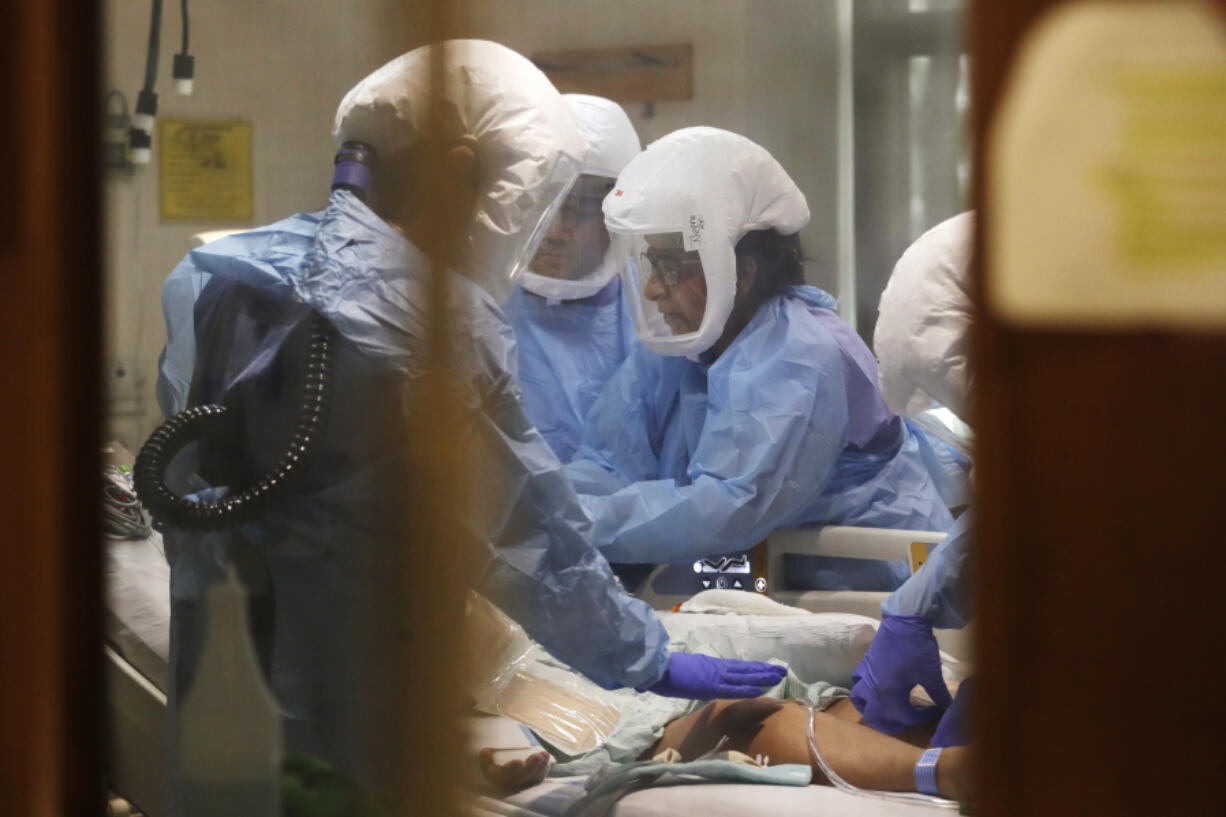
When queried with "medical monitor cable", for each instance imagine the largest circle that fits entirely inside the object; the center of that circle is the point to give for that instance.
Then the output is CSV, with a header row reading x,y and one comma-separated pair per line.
x,y
149,473
184,63
147,100
140,135
840,783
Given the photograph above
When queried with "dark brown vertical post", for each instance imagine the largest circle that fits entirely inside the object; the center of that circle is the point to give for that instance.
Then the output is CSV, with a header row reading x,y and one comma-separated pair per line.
x,y
50,313
1099,544
434,606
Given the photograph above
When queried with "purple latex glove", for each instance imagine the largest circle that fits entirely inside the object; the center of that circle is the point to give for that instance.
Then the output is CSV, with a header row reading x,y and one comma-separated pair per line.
x,y
954,728
904,653
703,677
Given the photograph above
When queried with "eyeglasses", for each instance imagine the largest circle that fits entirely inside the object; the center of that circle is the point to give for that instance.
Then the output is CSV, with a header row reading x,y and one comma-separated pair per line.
x,y
581,208
671,269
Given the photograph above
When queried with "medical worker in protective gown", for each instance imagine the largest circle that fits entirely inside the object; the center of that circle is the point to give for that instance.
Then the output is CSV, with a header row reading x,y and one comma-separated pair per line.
x,y
752,406
922,339
572,326
326,555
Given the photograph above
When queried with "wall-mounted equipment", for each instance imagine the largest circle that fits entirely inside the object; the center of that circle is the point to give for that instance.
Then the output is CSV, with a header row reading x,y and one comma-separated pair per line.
x,y
115,125
139,136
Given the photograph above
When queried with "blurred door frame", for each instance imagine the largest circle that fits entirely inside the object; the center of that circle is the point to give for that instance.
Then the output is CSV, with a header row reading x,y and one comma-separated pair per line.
x,y
1098,540
50,357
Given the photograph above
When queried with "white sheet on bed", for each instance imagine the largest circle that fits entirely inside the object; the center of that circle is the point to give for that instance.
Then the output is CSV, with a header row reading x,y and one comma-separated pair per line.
x,y
138,604
551,798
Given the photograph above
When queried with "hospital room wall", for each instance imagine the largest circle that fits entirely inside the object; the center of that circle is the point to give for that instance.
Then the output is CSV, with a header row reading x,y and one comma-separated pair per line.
x,y
764,68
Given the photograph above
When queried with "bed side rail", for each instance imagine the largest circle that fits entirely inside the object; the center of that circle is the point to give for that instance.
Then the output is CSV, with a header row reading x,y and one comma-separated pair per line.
x,y
136,735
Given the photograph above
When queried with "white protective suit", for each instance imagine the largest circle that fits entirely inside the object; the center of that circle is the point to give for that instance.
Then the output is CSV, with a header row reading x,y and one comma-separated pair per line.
x,y
922,333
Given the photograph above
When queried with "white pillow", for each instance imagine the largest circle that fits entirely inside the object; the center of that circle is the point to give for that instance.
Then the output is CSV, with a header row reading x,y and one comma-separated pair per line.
x,y
738,602
817,646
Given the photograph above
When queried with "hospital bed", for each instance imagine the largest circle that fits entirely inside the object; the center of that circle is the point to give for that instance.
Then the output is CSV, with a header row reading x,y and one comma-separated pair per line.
x,y
135,655
136,651
909,546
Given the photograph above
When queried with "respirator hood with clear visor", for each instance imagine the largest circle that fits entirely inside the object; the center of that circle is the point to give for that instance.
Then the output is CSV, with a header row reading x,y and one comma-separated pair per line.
x,y
707,187
611,143
527,144
922,337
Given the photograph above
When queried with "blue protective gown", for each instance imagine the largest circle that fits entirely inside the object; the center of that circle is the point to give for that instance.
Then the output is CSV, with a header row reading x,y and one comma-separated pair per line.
x,y
315,564
786,428
939,591
567,353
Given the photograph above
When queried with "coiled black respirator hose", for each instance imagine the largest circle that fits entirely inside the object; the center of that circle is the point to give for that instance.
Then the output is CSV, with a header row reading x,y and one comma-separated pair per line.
x,y
149,473
354,171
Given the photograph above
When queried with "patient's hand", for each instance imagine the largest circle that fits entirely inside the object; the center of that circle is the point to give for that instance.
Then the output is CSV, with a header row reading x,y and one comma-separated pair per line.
x,y
514,774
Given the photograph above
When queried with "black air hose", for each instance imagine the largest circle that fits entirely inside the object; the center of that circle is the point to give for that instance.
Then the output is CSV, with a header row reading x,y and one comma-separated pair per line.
x,y
196,422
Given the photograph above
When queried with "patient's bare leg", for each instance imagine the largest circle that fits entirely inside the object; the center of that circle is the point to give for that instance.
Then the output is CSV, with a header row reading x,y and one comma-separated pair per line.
x,y
860,755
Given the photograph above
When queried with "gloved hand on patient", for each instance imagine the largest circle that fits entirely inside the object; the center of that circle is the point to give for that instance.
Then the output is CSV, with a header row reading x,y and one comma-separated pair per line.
x,y
955,727
903,653
690,675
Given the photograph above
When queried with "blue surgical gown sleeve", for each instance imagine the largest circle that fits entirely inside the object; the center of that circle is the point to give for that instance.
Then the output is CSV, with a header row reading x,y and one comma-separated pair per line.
x,y
939,591
540,567
773,422
622,431
948,467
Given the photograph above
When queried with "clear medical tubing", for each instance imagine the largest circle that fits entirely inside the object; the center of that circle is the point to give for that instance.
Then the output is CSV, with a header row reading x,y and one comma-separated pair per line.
x,y
840,783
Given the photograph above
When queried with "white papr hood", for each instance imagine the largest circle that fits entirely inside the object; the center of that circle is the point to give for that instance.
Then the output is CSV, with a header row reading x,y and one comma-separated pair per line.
x,y
712,187
923,322
611,143
527,143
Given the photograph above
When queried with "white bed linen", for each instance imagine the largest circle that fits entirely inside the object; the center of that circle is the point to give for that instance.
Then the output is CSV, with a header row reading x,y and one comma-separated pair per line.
x,y
138,604
552,797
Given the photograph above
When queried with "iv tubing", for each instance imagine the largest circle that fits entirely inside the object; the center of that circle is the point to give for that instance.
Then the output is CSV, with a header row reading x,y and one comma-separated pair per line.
x,y
840,783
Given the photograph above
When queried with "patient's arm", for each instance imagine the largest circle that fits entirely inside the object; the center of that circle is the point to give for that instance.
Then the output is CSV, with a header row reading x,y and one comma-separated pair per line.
x,y
860,755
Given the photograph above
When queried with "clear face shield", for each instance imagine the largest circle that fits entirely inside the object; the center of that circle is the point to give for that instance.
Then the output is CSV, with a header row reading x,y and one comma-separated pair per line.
x,y
509,224
554,192
680,300
573,259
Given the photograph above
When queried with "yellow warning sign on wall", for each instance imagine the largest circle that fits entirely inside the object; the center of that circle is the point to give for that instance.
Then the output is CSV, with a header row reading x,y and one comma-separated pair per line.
x,y
204,170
